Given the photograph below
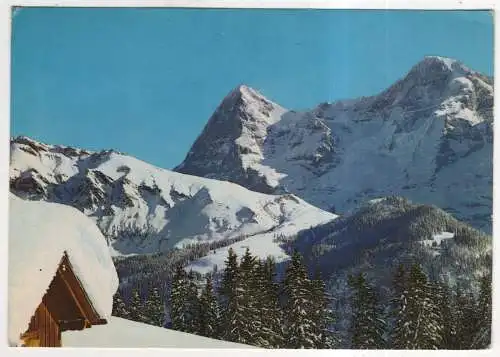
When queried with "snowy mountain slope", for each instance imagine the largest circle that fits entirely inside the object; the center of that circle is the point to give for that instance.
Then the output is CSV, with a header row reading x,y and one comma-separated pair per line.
x,y
143,209
427,137
121,333
263,244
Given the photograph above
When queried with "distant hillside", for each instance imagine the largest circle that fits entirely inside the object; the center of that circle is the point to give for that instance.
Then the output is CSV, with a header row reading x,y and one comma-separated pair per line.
x,y
386,232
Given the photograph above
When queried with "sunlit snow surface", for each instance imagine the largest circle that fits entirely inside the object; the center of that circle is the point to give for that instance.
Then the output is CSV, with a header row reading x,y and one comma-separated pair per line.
x,y
145,209
39,234
130,334
438,238
265,244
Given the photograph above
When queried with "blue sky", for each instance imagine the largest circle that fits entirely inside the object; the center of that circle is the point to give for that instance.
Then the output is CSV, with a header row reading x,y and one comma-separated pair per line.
x,y
145,81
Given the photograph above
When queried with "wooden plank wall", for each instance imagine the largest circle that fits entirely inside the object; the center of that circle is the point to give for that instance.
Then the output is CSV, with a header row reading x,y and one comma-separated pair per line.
x,y
51,336
44,330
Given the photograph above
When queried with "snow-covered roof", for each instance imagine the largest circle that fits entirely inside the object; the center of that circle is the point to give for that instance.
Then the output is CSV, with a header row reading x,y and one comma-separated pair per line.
x,y
121,333
39,234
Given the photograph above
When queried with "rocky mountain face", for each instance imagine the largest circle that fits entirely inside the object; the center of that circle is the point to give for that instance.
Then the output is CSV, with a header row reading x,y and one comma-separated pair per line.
x,y
235,136
143,209
428,137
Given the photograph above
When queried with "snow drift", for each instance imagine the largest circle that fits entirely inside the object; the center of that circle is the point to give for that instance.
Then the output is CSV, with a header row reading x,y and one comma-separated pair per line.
x,y
121,333
39,234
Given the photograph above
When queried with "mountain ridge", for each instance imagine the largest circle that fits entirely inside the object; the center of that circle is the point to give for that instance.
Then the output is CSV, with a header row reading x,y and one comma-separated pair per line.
x,y
144,209
410,139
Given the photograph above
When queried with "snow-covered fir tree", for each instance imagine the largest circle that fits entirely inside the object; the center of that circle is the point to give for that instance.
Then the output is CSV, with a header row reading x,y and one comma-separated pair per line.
x,y
300,325
120,309
178,297
418,323
154,308
247,321
192,305
209,311
232,301
270,316
229,276
482,339
137,308
448,308
324,315
399,310
434,321
367,323
468,319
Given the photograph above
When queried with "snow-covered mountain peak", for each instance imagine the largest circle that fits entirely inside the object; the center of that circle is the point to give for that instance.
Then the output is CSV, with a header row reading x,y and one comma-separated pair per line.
x,y
251,105
247,93
233,137
426,136
29,143
432,64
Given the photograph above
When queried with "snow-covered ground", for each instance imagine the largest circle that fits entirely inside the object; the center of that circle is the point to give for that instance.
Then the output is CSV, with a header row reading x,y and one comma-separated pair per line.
x,y
39,234
438,238
263,245
130,334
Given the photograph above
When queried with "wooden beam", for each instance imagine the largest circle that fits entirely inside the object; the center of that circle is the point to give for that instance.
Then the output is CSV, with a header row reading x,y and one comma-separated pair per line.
x,y
73,295
74,285
59,301
78,324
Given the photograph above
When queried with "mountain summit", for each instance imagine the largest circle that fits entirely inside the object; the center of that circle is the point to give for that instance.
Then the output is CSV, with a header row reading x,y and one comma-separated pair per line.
x,y
427,137
233,138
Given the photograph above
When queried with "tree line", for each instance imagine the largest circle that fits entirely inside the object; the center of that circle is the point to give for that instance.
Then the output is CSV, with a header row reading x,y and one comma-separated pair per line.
x,y
249,306
143,272
246,303
421,314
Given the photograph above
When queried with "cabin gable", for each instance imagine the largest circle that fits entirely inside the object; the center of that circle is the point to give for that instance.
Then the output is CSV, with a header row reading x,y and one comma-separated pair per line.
x,y
65,306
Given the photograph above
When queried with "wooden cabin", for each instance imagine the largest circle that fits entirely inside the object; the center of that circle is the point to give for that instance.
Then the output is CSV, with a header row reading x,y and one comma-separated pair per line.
x,y
65,306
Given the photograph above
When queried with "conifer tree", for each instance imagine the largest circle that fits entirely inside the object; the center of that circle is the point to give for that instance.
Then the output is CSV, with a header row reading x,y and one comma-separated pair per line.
x,y
209,311
155,310
482,338
367,323
228,283
178,297
468,319
232,301
192,306
418,322
400,332
300,328
447,307
270,320
249,324
119,307
321,311
137,307
433,323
